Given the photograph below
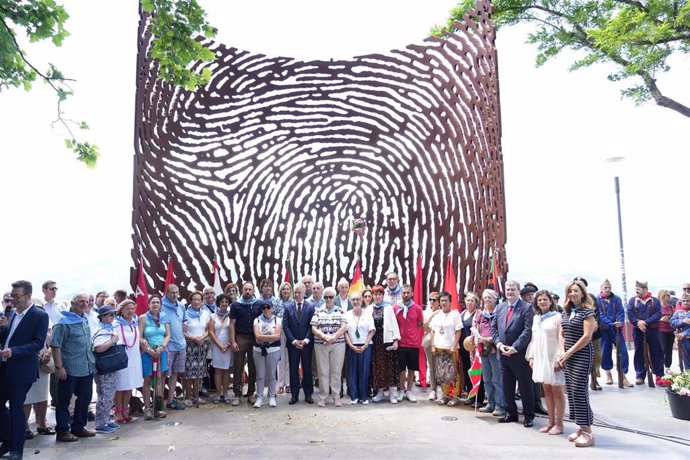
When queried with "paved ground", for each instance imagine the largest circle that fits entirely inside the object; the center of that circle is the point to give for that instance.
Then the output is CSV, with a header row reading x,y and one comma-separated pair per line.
x,y
383,430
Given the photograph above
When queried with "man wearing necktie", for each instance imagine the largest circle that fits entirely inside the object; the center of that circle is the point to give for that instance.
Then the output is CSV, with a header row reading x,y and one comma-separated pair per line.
x,y
511,329
300,343
22,336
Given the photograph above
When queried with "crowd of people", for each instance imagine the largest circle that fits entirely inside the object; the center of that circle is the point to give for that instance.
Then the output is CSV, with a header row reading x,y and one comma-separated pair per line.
x,y
247,347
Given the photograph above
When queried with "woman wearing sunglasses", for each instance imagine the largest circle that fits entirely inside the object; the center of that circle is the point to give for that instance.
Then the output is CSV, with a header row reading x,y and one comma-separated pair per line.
x,y
267,330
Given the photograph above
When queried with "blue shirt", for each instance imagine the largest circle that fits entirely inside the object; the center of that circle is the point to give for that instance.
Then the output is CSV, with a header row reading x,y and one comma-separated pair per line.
x,y
74,342
176,315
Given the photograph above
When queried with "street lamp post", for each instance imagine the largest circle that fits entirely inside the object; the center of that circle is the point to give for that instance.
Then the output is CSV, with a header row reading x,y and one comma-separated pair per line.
x,y
614,164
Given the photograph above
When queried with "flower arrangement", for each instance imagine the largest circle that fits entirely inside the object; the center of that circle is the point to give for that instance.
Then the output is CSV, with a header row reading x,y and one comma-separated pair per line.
x,y
678,382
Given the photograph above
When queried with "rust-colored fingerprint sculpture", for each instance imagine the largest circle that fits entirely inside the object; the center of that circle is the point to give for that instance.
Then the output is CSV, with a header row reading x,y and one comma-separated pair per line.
x,y
274,157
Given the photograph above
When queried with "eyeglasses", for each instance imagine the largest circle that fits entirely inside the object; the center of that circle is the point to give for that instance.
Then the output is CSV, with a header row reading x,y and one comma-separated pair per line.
x,y
6,300
266,307
17,296
434,299
686,288
53,288
329,297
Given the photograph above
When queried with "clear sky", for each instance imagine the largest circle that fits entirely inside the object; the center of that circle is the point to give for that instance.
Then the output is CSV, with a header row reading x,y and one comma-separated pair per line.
x,y
66,222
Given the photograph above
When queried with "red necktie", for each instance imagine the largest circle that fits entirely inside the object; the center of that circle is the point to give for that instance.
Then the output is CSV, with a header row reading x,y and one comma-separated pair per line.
x,y
510,313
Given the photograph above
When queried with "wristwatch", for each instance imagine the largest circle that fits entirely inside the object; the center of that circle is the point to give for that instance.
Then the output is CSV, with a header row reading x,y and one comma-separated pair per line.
x,y
57,367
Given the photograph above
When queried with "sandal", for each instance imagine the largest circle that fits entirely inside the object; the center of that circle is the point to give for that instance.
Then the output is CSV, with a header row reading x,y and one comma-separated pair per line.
x,y
556,430
546,429
288,390
575,435
322,402
281,390
453,402
585,440
47,430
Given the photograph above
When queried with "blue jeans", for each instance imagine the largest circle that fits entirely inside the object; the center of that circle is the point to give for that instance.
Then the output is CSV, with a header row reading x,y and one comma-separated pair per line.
x,y
82,388
608,342
359,367
491,371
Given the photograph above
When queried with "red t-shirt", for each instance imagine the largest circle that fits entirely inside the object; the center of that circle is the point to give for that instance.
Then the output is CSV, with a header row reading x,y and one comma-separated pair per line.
x,y
411,332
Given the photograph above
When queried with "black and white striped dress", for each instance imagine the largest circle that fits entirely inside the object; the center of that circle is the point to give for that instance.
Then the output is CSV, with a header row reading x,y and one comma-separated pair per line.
x,y
578,366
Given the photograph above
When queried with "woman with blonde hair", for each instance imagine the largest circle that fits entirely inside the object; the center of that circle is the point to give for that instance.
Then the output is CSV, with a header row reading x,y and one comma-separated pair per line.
x,y
578,324
131,377
285,295
542,355
219,333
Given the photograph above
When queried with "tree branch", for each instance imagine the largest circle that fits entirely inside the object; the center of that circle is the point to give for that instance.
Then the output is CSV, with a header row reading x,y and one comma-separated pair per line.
x,y
662,100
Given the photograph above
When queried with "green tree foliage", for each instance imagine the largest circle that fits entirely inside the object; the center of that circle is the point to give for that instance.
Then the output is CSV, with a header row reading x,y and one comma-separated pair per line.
x,y
638,37
174,25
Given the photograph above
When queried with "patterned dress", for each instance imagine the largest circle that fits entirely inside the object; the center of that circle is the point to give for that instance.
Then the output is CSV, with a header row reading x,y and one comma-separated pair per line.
x,y
578,366
383,371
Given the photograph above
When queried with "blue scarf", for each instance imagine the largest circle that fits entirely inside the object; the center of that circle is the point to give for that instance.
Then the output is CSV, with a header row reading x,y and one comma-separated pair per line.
x,y
381,305
246,302
395,292
192,313
271,300
488,315
547,315
264,319
222,314
124,322
69,317
162,318
170,306
211,307
107,327
405,308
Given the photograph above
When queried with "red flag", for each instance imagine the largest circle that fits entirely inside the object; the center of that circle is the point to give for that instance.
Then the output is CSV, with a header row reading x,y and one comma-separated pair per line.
x,y
418,296
289,275
450,285
217,289
142,298
169,275
357,284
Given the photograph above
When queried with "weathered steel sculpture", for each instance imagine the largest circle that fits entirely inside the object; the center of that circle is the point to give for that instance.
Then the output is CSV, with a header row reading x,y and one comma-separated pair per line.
x,y
274,157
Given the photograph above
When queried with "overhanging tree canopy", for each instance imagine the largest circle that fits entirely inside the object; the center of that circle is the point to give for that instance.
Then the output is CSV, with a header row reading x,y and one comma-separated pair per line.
x,y
638,37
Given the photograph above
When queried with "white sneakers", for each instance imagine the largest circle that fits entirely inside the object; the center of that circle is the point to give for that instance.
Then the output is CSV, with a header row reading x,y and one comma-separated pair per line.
x,y
379,397
272,401
432,395
393,398
354,401
400,396
410,397
259,402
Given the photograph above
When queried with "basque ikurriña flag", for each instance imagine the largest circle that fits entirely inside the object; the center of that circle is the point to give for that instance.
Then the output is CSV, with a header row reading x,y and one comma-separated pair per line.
x,y
475,374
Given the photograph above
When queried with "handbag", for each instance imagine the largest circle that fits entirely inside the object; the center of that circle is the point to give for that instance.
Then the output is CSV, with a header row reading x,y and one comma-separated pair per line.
x,y
111,360
47,367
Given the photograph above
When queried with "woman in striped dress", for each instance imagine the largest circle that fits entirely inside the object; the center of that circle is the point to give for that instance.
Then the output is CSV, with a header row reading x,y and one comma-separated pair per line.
x,y
577,326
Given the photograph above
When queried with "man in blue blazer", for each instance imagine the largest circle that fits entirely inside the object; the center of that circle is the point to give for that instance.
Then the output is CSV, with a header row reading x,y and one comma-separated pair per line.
x,y
22,336
300,342
512,331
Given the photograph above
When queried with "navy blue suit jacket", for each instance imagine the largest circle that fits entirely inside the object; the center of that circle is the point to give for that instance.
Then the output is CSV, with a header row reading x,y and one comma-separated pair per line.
x,y
518,332
298,330
27,341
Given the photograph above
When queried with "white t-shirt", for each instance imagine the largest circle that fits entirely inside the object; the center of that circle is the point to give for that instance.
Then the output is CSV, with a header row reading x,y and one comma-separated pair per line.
x,y
197,326
268,328
363,323
444,326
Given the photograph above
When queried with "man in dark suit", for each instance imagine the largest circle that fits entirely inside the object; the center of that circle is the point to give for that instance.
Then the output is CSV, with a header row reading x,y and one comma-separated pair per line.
x,y
512,331
300,342
22,336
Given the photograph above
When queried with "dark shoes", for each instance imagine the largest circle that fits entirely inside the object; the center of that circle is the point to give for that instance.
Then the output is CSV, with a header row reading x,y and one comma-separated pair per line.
x,y
293,400
175,405
308,399
91,416
507,419
47,430
469,402
84,433
66,436
539,409
529,422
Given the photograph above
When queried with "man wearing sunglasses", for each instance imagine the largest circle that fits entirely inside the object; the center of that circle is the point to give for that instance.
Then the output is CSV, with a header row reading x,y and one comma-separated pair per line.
x,y
22,336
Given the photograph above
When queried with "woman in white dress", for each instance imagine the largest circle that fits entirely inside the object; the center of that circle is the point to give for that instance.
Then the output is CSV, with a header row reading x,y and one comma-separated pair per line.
x,y
131,377
38,393
219,333
542,354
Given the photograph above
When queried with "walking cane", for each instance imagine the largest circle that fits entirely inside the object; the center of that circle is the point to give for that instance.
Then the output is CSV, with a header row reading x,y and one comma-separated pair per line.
x,y
618,358
647,362
198,376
